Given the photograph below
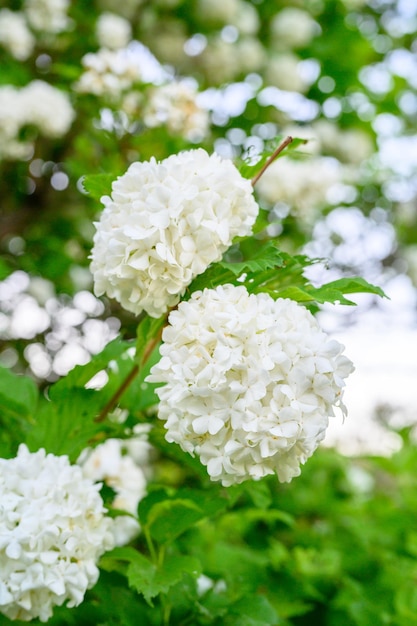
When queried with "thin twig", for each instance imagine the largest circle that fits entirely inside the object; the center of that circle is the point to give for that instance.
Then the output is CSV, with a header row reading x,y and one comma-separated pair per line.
x,y
272,158
129,378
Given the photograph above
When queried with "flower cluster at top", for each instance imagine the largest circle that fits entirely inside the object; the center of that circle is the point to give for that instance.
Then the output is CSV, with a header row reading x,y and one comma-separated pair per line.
x,y
53,530
250,383
164,224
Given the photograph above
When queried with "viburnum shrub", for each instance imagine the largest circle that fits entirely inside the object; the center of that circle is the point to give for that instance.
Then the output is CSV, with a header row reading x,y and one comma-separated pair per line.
x,y
230,367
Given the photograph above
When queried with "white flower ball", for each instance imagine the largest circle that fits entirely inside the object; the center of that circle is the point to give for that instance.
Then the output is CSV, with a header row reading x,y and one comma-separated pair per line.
x,y
113,31
250,383
164,224
52,532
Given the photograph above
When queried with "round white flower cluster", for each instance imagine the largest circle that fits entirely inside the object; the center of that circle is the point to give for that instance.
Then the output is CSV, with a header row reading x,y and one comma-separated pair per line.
x,y
109,72
175,106
113,31
15,36
250,383
53,530
301,184
164,224
111,463
38,104
48,16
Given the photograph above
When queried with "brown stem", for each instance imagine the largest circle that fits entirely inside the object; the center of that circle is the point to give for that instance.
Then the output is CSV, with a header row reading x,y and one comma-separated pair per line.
x,y
272,158
129,378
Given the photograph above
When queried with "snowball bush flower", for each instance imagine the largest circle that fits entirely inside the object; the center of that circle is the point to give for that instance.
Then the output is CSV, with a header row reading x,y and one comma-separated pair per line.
x,y
250,383
52,532
164,224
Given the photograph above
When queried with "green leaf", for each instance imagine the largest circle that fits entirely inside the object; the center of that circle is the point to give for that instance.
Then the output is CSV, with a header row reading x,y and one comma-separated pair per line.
x,y
147,578
170,518
167,516
353,284
265,257
259,493
253,611
79,376
98,185
148,337
18,394
66,425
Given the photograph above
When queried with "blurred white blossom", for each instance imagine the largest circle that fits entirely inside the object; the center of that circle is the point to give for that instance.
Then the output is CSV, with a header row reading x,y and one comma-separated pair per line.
x,y
15,36
49,16
109,72
164,223
175,105
283,71
113,31
38,104
48,108
293,28
250,383
301,184
53,530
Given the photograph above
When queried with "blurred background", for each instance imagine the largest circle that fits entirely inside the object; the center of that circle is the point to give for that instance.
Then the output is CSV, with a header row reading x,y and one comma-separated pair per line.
x,y
89,92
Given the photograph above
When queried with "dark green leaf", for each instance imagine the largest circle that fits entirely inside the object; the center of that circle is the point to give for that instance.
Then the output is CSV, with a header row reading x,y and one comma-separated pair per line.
x,y
18,394
170,518
265,257
254,611
145,577
98,185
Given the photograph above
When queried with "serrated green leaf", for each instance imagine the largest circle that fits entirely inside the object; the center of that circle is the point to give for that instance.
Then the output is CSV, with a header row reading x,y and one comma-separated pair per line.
x,y
98,185
266,257
67,424
18,394
168,519
145,577
354,284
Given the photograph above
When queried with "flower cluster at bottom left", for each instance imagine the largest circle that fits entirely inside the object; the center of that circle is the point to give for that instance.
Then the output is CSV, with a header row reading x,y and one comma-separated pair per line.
x,y
53,530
